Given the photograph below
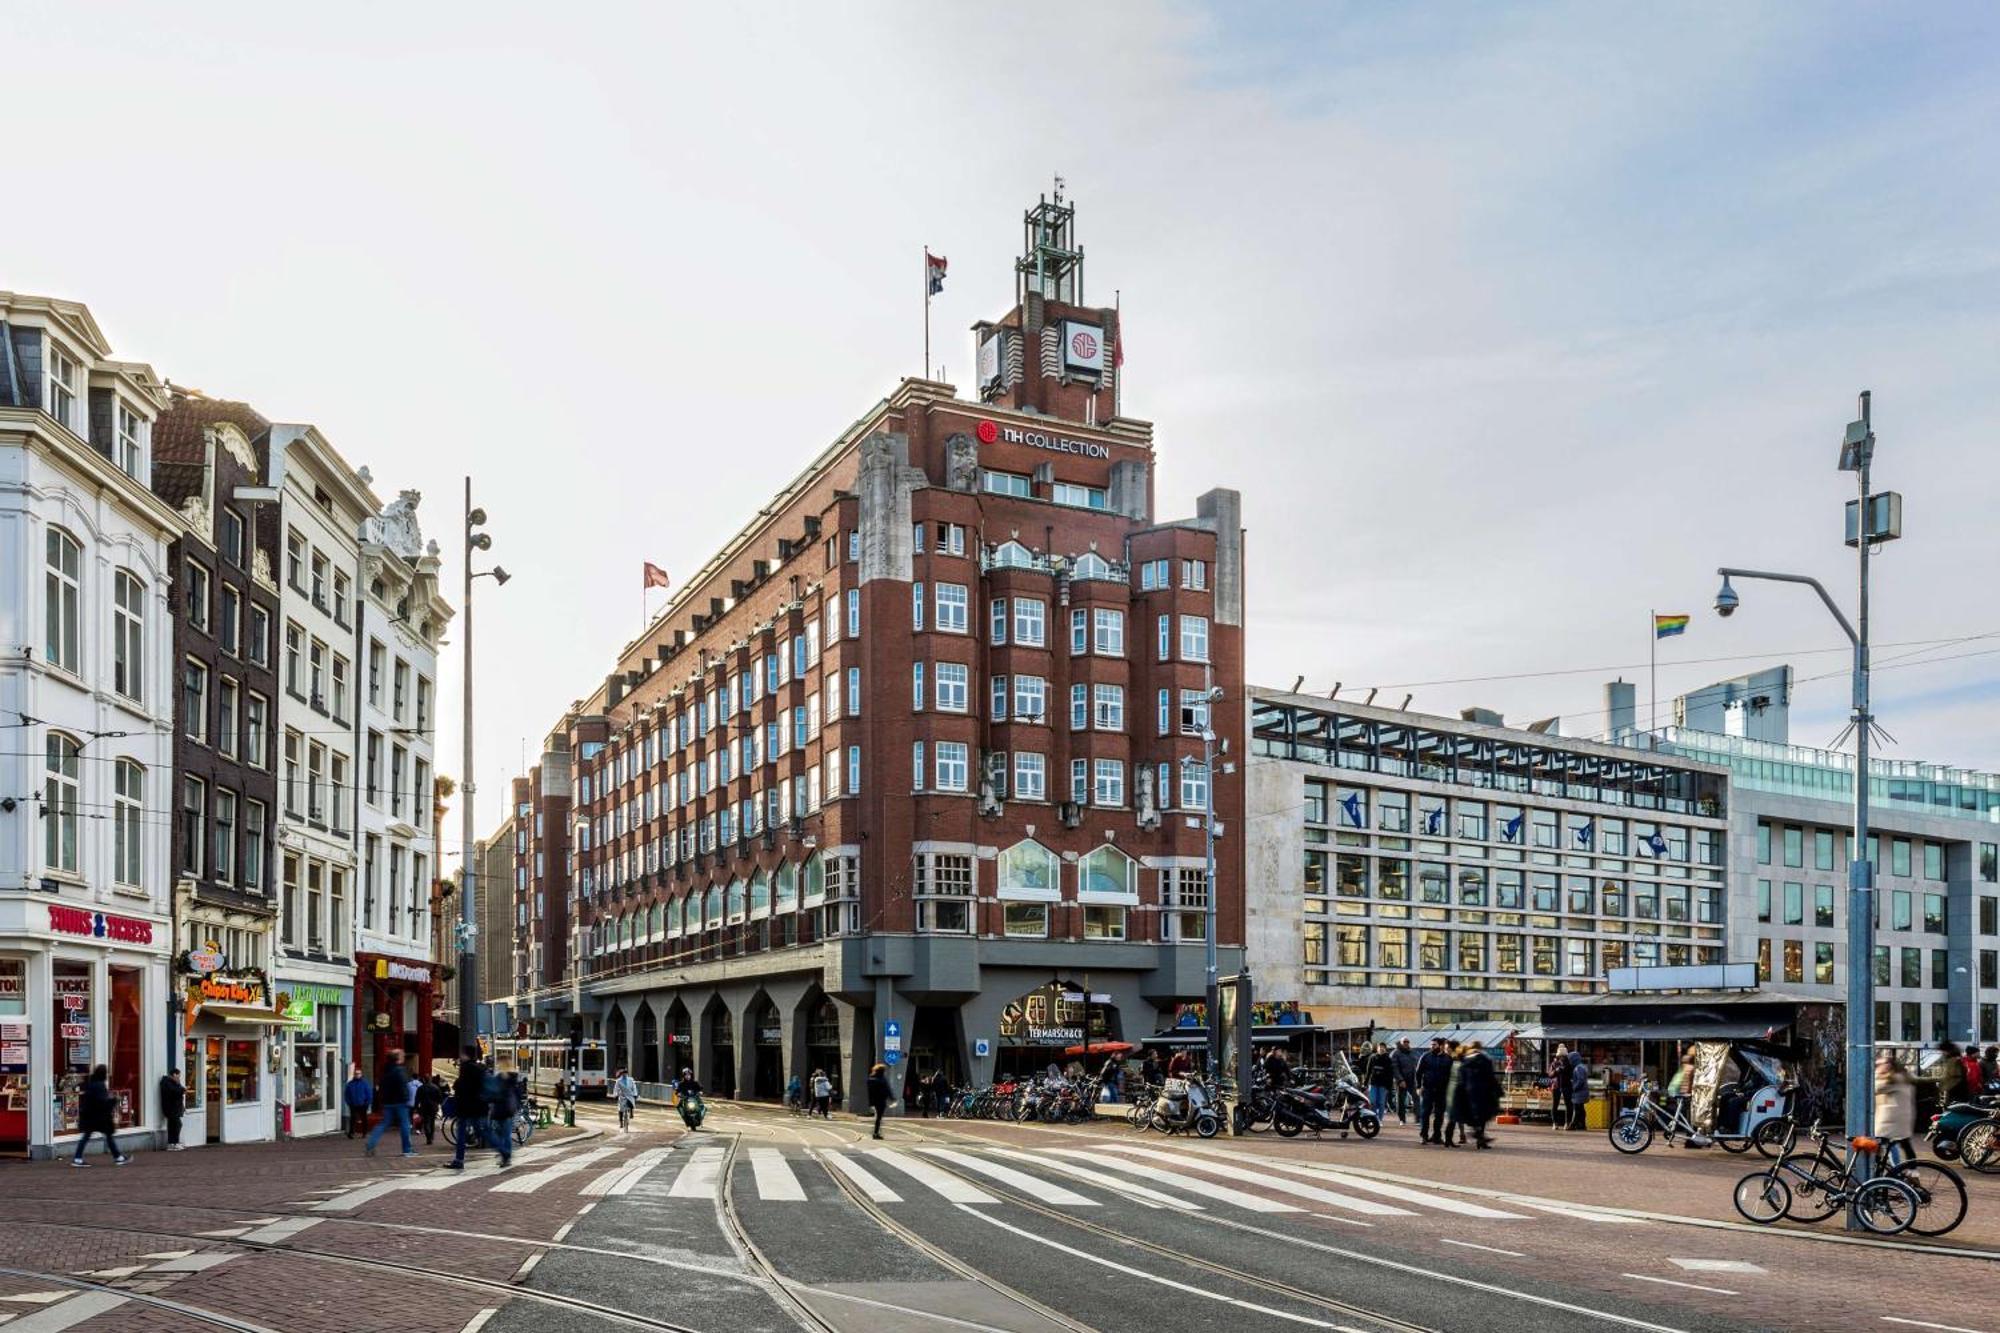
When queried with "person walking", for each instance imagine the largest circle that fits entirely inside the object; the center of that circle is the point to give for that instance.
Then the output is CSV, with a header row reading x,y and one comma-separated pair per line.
x,y
1895,1108
97,1113
878,1094
173,1106
1381,1079
1151,1071
1455,1097
1433,1080
430,1096
1989,1068
1950,1075
1558,1074
1112,1079
357,1096
1406,1080
822,1090
392,1097
1579,1088
469,1096
1481,1085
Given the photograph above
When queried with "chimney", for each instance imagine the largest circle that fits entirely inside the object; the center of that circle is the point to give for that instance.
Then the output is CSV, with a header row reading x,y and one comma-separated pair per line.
x,y
1485,717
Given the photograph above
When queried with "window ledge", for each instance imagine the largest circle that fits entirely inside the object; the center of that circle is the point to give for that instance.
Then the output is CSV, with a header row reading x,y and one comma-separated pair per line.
x,y
1095,898
1030,895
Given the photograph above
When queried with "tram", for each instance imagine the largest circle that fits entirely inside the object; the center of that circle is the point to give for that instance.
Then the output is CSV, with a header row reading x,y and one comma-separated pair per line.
x,y
541,1062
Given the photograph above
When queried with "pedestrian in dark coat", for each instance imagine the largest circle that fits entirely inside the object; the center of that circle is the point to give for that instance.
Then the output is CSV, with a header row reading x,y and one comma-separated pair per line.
x,y
430,1096
1406,1079
1559,1107
1456,1096
1579,1088
1381,1078
357,1096
1480,1084
97,1113
878,1094
1433,1079
173,1106
392,1095
468,1104
1151,1071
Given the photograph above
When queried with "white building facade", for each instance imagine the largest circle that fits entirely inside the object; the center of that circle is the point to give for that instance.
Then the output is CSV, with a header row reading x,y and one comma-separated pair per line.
x,y
403,617
86,771
323,503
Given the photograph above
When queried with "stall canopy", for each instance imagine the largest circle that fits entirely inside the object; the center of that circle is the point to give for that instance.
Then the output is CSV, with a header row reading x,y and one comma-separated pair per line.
x,y
1274,1034
1486,1034
1678,1016
245,1013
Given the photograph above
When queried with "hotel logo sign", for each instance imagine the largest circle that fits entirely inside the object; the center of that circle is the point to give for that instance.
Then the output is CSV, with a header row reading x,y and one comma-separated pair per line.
x,y
1061,444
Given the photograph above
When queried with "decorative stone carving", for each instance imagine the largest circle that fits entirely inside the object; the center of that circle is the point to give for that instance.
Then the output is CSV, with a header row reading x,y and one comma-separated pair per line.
x,y
194,509
229,438
396,526
260,569
1149,810
961,462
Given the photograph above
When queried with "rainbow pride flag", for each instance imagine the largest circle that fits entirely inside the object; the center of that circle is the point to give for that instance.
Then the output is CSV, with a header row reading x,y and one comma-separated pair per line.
x,y
1665,627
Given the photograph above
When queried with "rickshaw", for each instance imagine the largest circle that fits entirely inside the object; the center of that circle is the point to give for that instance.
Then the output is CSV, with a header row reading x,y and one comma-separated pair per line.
x,y
1740,1098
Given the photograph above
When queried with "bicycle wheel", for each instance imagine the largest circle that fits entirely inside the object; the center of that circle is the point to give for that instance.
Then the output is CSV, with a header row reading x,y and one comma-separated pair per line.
x,y
1886,1205
1763,1197
1813,1197
1940,1196
1979,1147
1769,1137
1631,1134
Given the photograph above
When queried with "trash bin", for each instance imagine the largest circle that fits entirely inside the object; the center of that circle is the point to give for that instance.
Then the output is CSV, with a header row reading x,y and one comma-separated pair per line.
x,y
1597,1113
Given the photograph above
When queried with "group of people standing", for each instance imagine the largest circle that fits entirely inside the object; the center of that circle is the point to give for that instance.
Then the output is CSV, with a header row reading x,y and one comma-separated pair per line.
x,y
405,1101
1452,1087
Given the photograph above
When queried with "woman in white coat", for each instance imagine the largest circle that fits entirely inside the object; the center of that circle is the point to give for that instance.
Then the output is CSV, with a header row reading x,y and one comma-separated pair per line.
x,y
1895,1108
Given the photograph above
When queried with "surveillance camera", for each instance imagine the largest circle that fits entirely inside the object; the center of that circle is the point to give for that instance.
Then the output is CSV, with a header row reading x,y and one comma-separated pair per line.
x,y
1726,600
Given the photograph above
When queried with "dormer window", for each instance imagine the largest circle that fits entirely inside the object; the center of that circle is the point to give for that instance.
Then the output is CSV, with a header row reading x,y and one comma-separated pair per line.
x,y
131,441
1012,555
61,386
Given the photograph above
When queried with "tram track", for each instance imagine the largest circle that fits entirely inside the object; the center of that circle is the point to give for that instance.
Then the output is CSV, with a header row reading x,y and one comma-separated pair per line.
x,y
182,1308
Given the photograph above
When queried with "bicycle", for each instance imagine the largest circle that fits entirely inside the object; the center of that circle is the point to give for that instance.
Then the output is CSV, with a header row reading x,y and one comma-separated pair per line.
x,y
1940,1191
1821,1185
625,1109
1632,1131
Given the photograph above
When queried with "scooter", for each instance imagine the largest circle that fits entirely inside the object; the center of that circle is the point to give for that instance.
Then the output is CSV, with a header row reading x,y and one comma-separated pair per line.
x,y
1955,1132
1186,1106
692,1109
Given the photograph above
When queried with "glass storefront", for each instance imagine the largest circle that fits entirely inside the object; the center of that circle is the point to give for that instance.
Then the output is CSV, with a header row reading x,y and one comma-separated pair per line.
x,y
70,1040
16,1082
122,1051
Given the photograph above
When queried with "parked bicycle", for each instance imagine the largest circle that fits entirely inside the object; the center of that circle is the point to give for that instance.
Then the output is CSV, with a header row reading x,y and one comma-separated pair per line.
x,y
1811,1187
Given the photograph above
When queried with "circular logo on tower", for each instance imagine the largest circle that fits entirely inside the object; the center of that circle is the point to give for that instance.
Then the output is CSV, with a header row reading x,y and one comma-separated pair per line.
x,y
1083,345
987,432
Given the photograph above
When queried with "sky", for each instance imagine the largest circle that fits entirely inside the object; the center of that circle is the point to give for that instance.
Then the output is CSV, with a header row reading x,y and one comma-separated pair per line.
x,y
1511,324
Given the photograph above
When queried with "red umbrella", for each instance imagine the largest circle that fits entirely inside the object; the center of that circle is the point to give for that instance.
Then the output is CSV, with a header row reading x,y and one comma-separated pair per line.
x,y
1103,1048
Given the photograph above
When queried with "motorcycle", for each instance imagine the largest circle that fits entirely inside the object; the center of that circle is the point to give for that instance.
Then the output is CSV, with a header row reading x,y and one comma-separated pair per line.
x,y
1967,1130
1187,1106
692,1109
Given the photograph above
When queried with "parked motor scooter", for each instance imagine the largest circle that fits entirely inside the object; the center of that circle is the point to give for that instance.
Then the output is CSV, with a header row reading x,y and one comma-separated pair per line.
x,y
1968,1130
1187,1106
1342,1108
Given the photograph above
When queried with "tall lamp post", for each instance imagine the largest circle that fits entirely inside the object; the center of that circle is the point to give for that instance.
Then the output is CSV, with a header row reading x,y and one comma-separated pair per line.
x,y
468,920
1210,694
1871,520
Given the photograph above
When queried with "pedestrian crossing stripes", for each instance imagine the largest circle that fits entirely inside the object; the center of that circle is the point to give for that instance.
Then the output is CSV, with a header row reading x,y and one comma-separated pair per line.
x,y
527,1182
620,1179
939,1182
775,1181
1366,1207
701,1178
1033,1186
868,1182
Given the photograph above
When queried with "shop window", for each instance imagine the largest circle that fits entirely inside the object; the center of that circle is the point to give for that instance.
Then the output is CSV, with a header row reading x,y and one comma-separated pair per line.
x,y
70,1044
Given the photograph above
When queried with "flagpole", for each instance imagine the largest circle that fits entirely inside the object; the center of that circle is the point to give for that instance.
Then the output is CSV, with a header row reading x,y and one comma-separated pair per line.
x,y
1653,653
927,312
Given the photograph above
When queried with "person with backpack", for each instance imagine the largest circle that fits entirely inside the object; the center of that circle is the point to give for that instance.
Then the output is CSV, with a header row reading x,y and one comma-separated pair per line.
x,y
97,1113
473,1095
822,1090
393,1096
1579,1090
357,1096
430,1096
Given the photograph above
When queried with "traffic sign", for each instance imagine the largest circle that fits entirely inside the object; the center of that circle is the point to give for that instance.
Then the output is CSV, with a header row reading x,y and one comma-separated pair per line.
x,y
892,1057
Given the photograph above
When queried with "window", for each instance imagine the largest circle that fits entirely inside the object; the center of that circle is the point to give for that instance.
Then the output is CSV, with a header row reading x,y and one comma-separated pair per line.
x,y
61,592
316,674
295,647
1030,622
320,565
1108,711
1030,776
225,716
61,386
259,636
1079,707
944,893
377,657
339,688
853,598
128,635
229,619
1194,638
194,824
1153,575
1194,574
1031,698
131,437
996,615
295,560
59,800
951,608
225,837
128,805
253,845
232,538
1108,787
1102,921
951,686
1025,920
1007,483
194,700
1108,631
1164,649
1933,860
315,782
400,684
1795,846
1028,868
1194,786
1082,497
853,770
255,730
917,598
1795,904
1079,631
950,539
952,766
1822,849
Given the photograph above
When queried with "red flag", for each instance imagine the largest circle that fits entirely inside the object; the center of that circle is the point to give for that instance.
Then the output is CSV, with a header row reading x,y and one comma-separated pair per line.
x,y
655,576
934,266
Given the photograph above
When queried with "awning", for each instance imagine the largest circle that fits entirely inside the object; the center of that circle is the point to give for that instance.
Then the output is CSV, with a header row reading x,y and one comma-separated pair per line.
x,y
245,1013
1688,1031
1486,1034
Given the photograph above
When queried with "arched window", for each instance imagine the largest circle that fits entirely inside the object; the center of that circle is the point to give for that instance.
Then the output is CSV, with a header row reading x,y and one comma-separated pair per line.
x,y
128,800
62,586
735,901
128,635
787,895
1028,868
59,795
1012,555
1107,871
712,918
760,895
1090,565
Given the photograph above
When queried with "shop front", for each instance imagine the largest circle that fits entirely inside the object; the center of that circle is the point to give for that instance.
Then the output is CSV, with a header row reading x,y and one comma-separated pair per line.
x,y
230,1054
394,1001
1055,1024
78,988
312,1055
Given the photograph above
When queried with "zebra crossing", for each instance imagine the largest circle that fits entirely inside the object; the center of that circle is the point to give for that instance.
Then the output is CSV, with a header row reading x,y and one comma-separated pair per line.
x,y
1079,1179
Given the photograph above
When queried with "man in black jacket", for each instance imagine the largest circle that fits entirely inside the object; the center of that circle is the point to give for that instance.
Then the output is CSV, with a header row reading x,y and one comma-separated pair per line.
x,y
173,1106
468,1104
1480,1083
392,1099
1433,1079
1406,1079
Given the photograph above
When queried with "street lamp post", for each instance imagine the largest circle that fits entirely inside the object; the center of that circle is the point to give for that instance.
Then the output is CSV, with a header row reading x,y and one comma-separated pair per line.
x,y
1209,696
468,920
1872,520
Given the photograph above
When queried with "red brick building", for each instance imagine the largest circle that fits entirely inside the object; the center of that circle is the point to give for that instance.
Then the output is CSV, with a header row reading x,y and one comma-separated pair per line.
x,y
913,764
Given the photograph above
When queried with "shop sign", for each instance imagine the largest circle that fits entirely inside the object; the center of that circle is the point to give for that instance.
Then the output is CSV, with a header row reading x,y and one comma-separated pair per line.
x,y
770,1036
206,959
388,969
99,925
1061,444
72,985
13,979
1083,346
76,1032
317,994
13,1045
299,1012
222,988
73,1003
1054,1036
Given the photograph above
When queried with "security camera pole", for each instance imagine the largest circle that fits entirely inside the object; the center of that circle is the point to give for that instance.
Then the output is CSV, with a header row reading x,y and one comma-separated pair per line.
x,y
468,875
1872,519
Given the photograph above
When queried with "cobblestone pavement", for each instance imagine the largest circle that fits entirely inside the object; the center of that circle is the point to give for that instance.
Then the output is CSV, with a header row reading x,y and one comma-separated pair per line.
x,y
766,1222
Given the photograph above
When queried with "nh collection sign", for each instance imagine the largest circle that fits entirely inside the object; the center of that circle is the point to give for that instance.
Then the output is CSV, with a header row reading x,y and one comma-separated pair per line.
x,y
1036,439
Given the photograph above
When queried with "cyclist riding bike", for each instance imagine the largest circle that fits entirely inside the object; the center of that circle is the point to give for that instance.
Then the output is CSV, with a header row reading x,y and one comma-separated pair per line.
x,y
627,1092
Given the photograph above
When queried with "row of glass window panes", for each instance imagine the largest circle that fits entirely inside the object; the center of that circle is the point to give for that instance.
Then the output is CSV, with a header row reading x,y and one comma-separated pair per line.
x,y
1389,948
1389,879
1791,901
1786,845
1349,808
